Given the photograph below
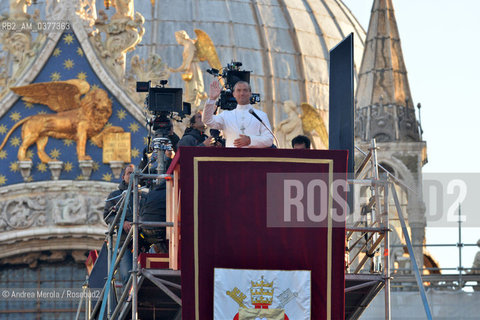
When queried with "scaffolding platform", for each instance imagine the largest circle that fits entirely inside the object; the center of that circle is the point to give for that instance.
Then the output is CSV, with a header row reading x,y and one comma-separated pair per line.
x,y
159,296
156,293
360,290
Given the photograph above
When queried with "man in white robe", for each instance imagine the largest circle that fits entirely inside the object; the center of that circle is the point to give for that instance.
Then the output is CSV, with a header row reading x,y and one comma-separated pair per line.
x,y
240,128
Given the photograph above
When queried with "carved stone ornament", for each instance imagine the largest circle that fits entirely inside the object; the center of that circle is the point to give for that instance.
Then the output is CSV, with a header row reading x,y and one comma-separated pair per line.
x,y
386,123
70,209
53,203
315,125
23,213
87,11
407,123
122,34
55,168
116,167
19,45
25,168
52,215
153,69
195,51
290,127
86,166
32,259
382,126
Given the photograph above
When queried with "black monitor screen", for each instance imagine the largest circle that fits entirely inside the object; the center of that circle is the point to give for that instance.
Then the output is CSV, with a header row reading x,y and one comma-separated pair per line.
x,y
165,99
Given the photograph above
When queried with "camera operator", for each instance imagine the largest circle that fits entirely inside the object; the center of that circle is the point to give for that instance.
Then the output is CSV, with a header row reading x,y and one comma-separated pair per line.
x,y
109,213
154,209
153,204
240,128
194,135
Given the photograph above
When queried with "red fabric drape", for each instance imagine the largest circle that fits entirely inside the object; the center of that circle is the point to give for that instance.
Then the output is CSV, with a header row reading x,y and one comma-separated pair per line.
x,y
232,225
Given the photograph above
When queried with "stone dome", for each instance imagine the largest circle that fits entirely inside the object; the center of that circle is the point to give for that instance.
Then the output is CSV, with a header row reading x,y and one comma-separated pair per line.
x,y
285,43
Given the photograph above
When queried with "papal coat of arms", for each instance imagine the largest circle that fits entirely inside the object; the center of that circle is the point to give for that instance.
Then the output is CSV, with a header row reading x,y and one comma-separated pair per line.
x,y
274,294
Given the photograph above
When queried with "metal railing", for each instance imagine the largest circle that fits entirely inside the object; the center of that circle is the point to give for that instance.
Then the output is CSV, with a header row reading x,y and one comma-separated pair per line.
x,y
129,297
372,231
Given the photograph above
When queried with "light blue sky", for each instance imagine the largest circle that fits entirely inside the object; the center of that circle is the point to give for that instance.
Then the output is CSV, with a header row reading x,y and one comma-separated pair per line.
x,y
441,50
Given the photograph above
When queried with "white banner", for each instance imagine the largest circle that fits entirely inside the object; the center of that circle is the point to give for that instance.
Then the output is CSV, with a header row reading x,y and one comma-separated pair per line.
x,y
261,294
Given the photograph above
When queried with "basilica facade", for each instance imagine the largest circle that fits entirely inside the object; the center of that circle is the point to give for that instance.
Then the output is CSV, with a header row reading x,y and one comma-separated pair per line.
x,y
53,185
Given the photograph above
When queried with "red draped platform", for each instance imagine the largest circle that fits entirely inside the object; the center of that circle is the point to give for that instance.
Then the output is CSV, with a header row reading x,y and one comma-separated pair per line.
x,y
223,201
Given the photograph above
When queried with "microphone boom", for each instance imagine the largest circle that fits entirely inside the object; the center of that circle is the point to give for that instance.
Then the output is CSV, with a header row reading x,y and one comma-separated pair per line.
x,y
253,113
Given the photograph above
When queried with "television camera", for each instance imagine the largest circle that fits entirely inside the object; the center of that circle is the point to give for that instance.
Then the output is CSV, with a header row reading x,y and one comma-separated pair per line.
x,y
232,74
163,104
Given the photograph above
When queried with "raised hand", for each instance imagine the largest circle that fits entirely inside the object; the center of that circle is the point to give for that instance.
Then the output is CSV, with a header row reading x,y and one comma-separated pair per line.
x,y
214,90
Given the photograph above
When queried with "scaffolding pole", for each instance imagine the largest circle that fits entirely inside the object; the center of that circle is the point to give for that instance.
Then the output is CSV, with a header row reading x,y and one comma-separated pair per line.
x,y
460,246
375,226
115,253
111,270
386,253
377,232
412,256
134,273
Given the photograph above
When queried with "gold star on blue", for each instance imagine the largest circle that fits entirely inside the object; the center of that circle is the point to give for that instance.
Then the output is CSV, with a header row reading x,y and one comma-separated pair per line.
x,y
68,166
42,167
55,76
121,114
107,177
68,64
15,141
68,39
135,152
14,167
55,153
15,116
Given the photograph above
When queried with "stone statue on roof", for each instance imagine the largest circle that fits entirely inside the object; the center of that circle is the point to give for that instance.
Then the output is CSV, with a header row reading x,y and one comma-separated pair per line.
x,y
289,128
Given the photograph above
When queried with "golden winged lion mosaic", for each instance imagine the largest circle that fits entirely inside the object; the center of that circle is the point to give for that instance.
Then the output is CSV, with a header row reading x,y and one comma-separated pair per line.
x,y
78,118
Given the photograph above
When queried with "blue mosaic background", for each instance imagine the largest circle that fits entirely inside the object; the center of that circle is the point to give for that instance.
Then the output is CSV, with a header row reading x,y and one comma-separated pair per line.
x,y
66,62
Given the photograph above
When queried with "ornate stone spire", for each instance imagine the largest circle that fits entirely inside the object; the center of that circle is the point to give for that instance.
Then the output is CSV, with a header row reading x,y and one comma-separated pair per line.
x,y
384,106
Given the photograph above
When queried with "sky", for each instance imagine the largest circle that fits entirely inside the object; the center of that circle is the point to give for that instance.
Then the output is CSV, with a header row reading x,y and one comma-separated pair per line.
x,y
440,45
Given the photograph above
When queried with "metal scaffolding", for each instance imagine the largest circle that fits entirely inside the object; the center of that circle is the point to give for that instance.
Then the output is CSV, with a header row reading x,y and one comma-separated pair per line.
x,y
367,242
366,237
166,280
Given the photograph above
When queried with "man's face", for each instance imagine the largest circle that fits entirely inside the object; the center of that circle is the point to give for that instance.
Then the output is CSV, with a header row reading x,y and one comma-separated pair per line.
x,y
126,175
299,146
199,125
242,93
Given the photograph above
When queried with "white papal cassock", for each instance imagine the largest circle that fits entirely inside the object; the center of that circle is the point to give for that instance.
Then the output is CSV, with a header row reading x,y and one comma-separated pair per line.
x,y
239,121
